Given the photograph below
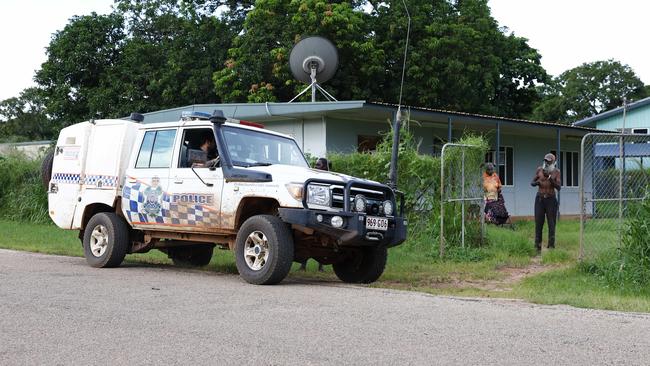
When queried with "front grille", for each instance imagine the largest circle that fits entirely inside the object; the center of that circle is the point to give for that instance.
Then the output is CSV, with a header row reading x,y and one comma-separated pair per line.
x,y
374,199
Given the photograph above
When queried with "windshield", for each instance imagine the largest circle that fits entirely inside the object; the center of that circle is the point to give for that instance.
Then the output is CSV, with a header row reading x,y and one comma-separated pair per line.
x,y
253,148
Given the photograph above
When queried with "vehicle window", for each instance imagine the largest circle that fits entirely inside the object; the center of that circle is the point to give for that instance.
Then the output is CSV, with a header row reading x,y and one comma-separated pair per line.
x,y
145,150
250,148
161,156
197,139
156,149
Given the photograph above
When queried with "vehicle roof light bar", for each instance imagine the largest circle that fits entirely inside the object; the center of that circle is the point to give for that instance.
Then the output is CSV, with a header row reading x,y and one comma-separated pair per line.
x,y
252,124
193,115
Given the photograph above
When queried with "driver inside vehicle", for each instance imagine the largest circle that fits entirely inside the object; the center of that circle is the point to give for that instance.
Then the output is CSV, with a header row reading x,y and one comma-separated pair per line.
x,y
208,146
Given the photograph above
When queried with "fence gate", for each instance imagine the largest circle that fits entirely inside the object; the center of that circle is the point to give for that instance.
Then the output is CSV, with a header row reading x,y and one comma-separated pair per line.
x,y
614,176
461,196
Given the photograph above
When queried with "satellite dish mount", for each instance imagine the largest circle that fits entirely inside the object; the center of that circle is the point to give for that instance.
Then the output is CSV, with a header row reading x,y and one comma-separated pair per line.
x,y
311,60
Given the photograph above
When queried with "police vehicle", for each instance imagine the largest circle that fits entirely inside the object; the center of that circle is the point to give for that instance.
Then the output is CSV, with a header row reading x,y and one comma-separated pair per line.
x,y
205,181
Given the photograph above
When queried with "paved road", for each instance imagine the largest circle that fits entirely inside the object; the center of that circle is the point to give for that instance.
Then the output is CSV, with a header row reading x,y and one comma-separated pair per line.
x,y
57,310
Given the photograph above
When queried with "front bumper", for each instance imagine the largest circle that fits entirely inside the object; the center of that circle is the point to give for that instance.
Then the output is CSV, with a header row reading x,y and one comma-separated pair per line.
x,y
353,232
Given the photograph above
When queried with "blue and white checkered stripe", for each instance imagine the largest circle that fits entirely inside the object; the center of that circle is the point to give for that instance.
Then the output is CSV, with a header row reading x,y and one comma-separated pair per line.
x,y
171,213
66,178
91,180
100,180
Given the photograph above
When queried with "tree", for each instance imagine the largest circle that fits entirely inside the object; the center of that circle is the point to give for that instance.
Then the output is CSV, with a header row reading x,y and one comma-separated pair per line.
x,y
458,57
260,53
171,55
24,117
589,89
155,54
146,55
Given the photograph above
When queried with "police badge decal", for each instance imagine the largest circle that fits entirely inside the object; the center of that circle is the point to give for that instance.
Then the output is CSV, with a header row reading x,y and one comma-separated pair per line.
x,y
152,195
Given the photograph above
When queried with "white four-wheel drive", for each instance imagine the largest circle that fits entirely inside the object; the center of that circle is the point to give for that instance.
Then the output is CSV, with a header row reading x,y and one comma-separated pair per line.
x,y
185,187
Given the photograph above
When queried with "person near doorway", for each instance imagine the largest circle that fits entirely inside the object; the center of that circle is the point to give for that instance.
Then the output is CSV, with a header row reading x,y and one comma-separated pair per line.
x,y
547,180
495,206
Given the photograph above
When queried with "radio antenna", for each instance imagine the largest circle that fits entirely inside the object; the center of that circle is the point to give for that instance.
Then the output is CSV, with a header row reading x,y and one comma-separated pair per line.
x,y
392,175
408,33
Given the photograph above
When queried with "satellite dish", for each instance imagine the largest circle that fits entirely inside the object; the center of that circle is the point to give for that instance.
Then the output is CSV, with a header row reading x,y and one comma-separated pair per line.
x,y
314,60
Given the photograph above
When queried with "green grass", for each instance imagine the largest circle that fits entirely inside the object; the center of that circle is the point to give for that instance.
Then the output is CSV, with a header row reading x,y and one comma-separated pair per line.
x,y
574,287
481,271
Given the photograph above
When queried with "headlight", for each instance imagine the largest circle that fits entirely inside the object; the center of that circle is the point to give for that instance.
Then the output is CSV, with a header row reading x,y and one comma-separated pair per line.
x,y
295,190
360,203
318,195
388,208
337,221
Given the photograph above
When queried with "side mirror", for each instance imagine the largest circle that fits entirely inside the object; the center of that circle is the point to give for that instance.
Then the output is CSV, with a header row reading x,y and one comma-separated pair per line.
x,y
196,156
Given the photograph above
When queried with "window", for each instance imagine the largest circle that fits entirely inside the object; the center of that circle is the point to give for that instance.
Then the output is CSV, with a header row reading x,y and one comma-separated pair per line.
x,y
194,138
367,143
156,149
569,163
640,131
250,148
506,161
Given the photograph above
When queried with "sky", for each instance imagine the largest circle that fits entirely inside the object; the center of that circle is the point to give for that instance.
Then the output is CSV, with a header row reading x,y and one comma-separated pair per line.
x,y
566,32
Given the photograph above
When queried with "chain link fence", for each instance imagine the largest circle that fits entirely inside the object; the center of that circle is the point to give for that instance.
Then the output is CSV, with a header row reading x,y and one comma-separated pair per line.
x,y
462,221
615,176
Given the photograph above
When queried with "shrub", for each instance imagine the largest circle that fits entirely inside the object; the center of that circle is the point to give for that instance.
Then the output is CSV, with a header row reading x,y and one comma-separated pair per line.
x,y
419,179
22,196
628,266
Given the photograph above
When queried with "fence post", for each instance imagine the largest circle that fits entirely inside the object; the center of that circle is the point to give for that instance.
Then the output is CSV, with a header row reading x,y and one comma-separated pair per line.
x,y
621,171
462,197
442,201
582,196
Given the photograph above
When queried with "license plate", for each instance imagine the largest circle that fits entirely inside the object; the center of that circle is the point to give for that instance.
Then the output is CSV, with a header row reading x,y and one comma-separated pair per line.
x,y
376,223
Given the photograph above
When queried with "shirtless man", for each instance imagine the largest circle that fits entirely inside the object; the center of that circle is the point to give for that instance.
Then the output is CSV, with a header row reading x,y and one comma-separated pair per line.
x,y
547,179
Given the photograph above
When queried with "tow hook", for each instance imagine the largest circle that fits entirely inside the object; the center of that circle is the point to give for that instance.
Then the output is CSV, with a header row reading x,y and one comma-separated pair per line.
x,y
374,236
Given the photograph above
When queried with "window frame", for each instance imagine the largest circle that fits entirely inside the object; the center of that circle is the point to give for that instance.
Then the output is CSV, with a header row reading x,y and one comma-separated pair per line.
x,y
503,178
564,168
178,147
153,145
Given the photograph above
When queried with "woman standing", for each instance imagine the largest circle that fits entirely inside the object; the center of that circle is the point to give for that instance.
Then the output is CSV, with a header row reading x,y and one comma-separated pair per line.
x,y
495,206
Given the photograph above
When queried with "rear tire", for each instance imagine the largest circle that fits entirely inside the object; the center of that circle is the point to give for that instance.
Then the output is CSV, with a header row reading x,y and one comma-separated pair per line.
x,y
46,170
264,250
106,240
194,255
365,267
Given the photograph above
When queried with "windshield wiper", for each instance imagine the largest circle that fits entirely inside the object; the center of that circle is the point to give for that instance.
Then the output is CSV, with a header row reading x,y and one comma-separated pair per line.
x,y
248,165
259,163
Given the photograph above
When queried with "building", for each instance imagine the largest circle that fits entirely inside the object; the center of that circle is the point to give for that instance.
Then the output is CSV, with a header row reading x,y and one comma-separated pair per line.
x,y
32,149
636,121
346,126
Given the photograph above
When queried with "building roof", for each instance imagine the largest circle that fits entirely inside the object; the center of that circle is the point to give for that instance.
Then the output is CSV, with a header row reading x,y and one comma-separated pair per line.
x,y
491,118
275,111
612,112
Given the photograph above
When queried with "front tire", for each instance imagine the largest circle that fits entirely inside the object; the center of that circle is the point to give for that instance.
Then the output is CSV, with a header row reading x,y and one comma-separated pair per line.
x,y
366,266
194,255
264,250
106,240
